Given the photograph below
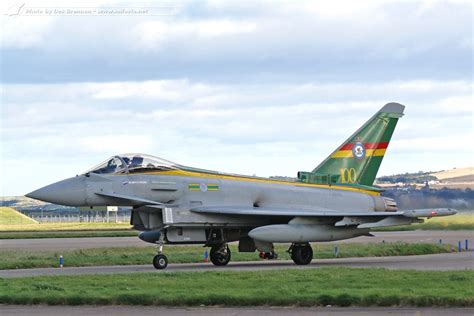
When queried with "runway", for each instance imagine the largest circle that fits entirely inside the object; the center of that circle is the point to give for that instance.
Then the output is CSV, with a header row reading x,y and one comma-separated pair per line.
x,y
421,236
440,262
41,310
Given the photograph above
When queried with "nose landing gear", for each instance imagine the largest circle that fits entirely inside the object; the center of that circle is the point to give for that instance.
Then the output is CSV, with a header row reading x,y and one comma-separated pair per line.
x,y
160,261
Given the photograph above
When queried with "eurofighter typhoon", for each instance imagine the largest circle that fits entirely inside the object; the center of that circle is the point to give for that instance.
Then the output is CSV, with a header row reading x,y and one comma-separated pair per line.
x,y
175,204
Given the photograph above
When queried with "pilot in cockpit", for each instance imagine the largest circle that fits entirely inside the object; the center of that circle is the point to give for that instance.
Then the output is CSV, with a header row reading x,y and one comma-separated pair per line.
x,y
136,162
126,160
131,163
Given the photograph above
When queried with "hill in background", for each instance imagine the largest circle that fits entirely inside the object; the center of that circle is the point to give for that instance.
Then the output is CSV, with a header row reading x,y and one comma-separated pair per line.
x,y
457,178
9,216
459,175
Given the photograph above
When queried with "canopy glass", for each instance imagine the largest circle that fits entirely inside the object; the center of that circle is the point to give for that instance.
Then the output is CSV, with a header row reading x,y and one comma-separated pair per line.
x,y
132,163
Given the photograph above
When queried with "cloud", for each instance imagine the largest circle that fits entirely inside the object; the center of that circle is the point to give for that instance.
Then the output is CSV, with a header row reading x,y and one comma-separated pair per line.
x,y
158,90
284,128
115,143
153,35
458,104
25,33
248,41
250,87
115,99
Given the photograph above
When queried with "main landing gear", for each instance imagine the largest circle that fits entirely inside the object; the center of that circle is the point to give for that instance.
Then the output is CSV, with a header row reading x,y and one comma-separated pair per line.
x,y
160,261
301,254
220,255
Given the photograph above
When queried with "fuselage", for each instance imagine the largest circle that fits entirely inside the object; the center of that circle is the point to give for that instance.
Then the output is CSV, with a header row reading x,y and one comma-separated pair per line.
x,y
187,188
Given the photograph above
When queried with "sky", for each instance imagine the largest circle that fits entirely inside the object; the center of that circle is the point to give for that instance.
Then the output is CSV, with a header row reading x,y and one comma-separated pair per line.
x,y
253,87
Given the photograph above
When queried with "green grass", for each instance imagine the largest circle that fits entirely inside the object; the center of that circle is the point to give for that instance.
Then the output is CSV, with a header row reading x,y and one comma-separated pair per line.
x,y
9,216
21,259
69,234
64,227
460,221
291,287
66,230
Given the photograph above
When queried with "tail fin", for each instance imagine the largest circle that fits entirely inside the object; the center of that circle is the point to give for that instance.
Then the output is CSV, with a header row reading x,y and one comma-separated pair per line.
x,y
358,159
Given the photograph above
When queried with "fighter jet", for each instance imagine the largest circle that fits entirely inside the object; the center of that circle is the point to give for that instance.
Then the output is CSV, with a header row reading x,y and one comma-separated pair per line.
x,y
176,204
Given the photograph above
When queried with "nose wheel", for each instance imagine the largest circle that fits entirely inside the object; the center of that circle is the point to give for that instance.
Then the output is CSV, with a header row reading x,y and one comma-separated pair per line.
x,y
160,261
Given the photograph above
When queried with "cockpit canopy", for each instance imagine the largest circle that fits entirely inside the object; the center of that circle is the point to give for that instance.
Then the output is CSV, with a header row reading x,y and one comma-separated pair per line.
x,y
132,163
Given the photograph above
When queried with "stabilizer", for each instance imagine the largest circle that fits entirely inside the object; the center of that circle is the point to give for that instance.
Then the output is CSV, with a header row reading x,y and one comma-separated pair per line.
x,y
358,159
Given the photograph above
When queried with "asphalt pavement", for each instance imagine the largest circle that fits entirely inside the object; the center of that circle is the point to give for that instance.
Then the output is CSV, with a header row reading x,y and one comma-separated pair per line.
x,y
440,262
419,236
42,310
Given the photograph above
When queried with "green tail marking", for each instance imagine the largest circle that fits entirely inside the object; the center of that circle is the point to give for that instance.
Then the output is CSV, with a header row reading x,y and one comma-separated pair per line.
x,y
358,159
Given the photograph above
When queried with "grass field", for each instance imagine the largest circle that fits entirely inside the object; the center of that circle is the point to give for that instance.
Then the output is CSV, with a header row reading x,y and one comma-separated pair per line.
x,y
68,234
20,259
292,287
454,173
64,227
66,230
460,221
9,216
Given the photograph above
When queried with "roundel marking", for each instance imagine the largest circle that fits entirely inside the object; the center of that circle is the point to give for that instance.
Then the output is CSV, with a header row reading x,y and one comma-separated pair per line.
x,y
358,151
203,187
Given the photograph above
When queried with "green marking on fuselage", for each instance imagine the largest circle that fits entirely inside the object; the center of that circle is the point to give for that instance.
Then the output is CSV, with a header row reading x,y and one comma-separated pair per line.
x,y
203,187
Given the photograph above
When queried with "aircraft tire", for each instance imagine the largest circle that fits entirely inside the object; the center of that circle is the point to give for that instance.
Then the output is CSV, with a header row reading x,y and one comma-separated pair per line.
x,y
302,254
160,262
218,256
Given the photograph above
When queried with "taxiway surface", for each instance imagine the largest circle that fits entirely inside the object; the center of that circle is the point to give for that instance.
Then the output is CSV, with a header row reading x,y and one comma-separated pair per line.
x,y
213,311
449,261
418,236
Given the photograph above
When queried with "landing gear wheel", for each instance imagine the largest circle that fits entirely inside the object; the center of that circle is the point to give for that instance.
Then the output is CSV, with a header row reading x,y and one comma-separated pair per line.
x,y
220,255
301,254
160,262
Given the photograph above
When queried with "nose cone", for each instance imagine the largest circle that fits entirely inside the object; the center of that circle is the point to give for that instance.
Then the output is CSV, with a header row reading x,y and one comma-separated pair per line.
x,y
71,192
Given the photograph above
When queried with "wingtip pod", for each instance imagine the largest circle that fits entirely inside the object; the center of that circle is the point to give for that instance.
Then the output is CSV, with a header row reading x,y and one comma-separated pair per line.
x,y
393,108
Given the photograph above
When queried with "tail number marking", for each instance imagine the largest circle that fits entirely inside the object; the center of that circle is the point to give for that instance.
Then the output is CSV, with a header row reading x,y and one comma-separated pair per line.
x,y
348,175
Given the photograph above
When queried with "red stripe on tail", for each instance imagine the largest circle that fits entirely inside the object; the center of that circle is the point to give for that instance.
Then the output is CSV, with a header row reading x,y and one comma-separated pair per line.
x,y
382,145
